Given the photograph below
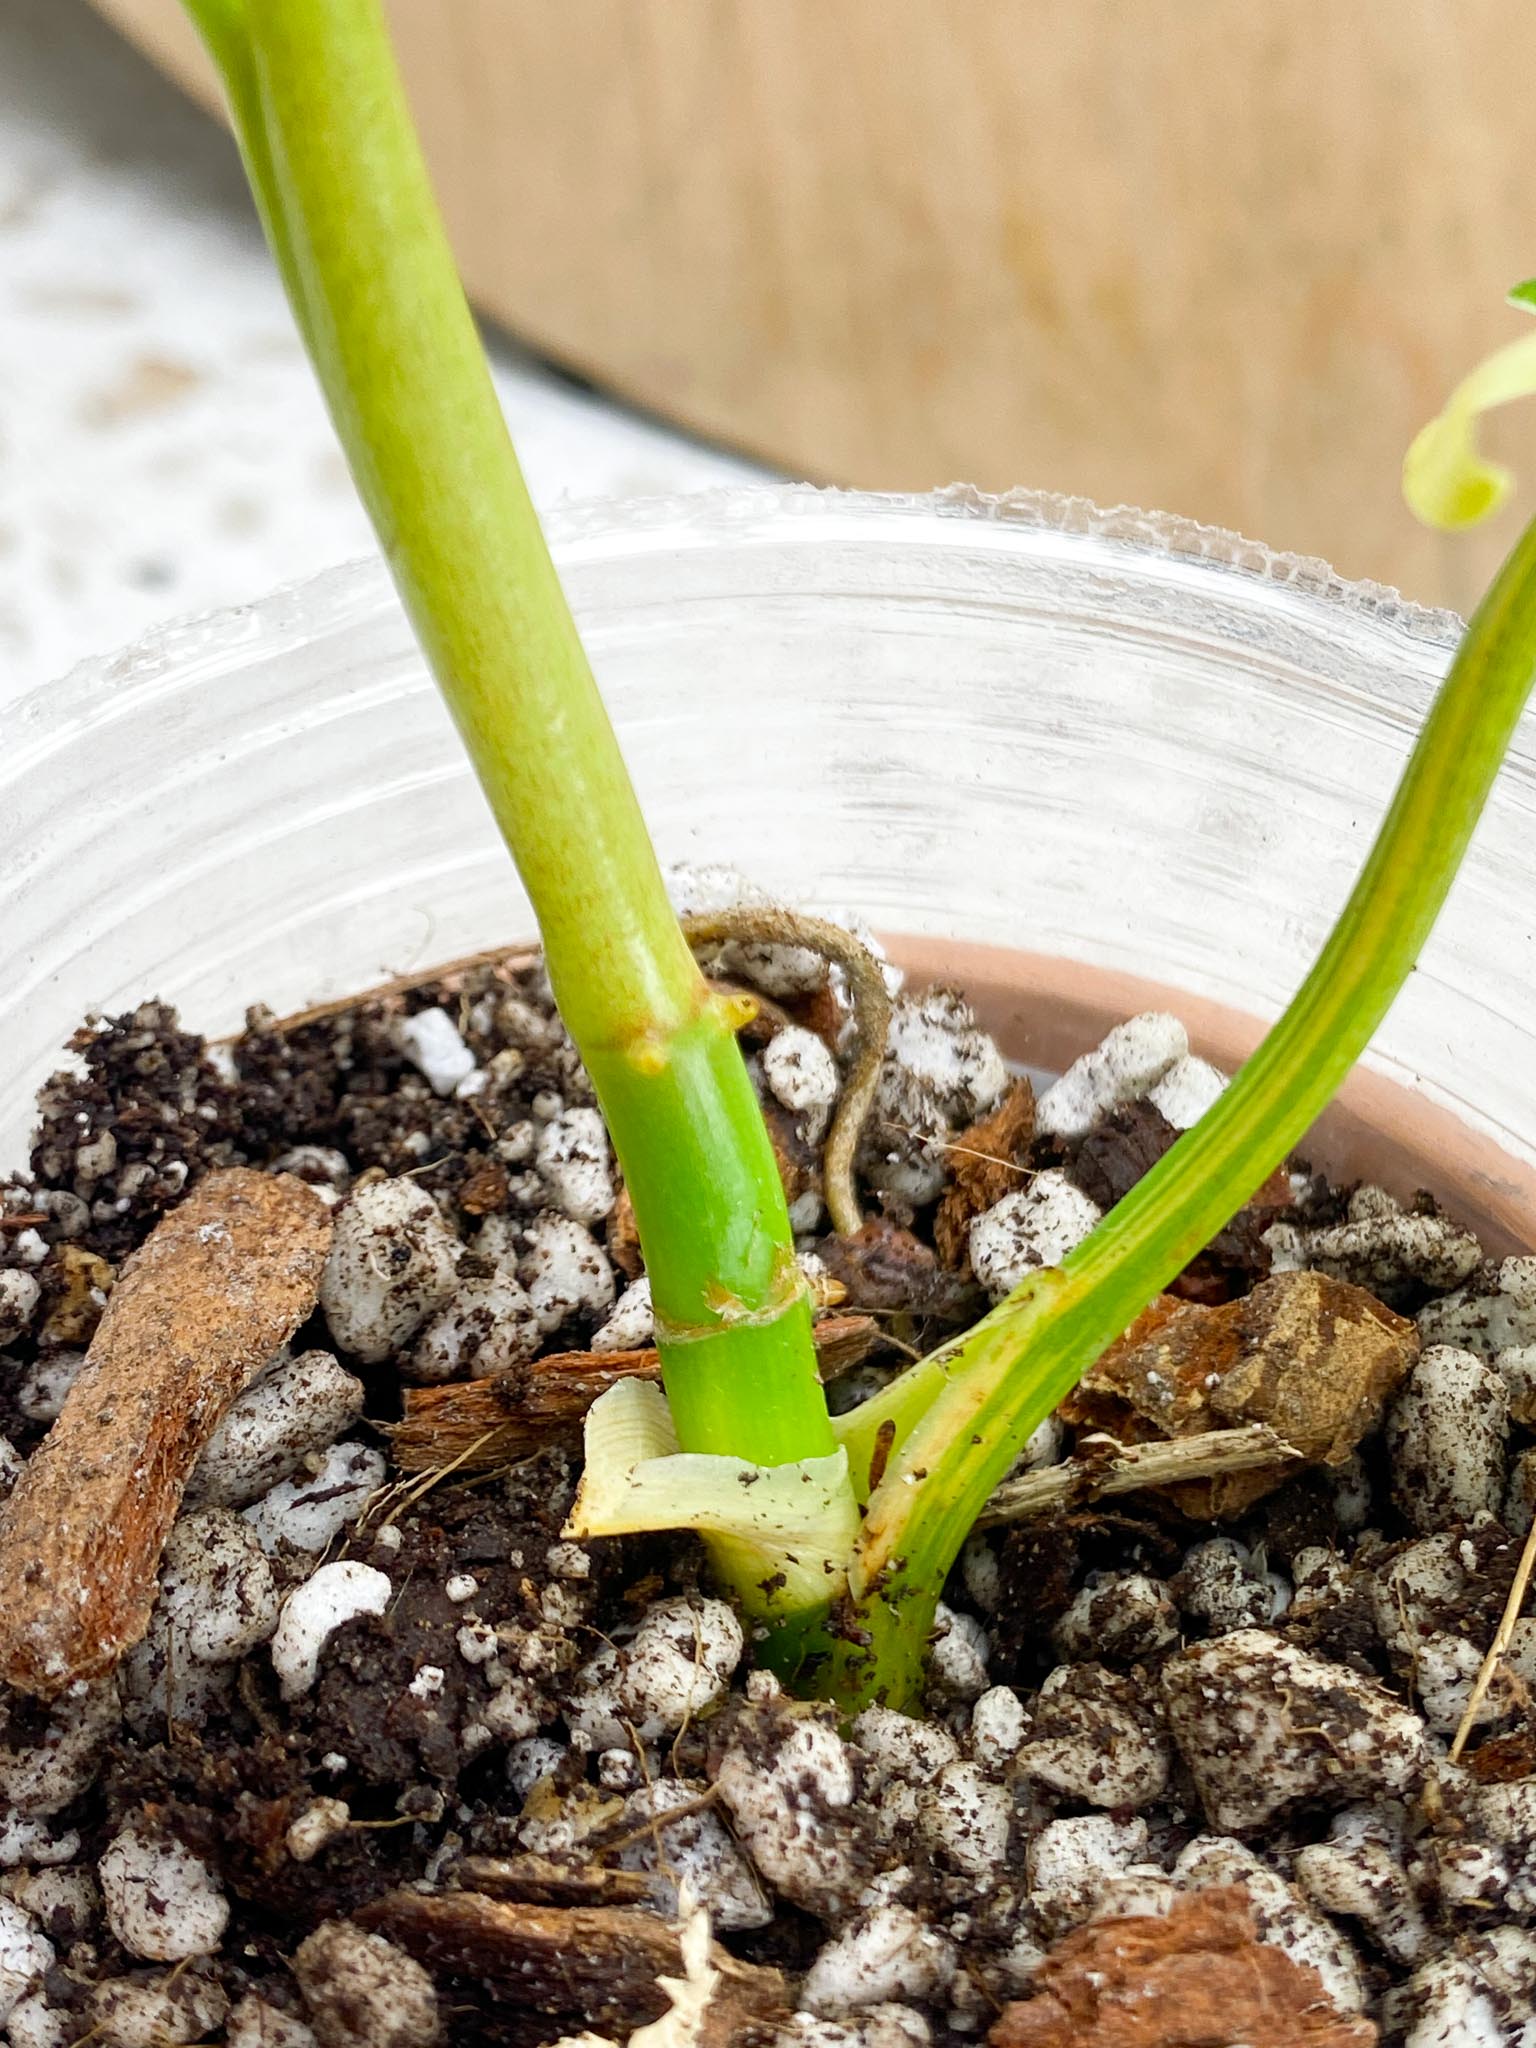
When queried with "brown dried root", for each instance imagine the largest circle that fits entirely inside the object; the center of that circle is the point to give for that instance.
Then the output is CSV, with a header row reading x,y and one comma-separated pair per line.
x,y
871,1019
1102,1467
507,959
1503,1636
540,1881
598,1963
196,1312
476,1424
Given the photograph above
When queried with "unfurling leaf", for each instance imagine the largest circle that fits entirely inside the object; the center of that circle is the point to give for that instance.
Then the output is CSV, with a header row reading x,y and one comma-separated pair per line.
x,y
792,1524
1447,481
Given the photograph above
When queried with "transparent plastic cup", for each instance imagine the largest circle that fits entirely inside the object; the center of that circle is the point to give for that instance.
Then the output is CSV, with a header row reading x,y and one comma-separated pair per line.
x,y
1083,758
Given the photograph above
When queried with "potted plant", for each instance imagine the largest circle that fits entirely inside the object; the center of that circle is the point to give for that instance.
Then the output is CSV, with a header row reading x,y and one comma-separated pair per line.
x,y
832,1537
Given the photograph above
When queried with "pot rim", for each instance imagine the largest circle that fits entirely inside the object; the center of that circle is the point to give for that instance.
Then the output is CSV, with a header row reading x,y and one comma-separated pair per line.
x,y
105,688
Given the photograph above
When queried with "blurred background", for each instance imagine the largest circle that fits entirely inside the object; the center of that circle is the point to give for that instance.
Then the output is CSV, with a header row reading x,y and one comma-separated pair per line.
x,y
1214,259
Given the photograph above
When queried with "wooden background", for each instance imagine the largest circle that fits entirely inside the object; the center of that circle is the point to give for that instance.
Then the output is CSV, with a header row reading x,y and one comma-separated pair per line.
x,y
1217,257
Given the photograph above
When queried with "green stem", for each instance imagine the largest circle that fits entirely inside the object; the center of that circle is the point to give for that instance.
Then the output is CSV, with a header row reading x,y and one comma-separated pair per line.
x,y
339,179
962,1418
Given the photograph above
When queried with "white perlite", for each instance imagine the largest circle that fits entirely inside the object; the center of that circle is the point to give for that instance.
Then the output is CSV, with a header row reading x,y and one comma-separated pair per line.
x,y
576,1165
565,1270
678,1664
335,1594
530,1759
40,1776
327,1171
957,1654
1126,1063
967,1819
35,2024
1358,1875
1190,1087
392,1261
44,1386
1071,1862
1222,1584
1263,1725
632,1326
777,970
310,1512
19,1296
941,1072
592,1706
1446,1434
998,1723
902,1747
1485,1316
1033,1226
25,1841
165,2011
320,1823
487,1326
25,1954
433,1044
363,1992
888,1954
1123,1617
1381,1246
162,1902
66,1902
801,1074
255,2024
297,1409
1094,1742
694,1853
874,2026
1482,1994
787,1781
218,1598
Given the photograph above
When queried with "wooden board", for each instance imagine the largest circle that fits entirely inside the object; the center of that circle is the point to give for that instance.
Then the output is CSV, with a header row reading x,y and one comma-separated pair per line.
x,y
1185,253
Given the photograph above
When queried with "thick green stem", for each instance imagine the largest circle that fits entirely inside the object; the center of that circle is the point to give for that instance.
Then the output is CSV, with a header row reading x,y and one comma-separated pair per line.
x,y
962,1418
345,198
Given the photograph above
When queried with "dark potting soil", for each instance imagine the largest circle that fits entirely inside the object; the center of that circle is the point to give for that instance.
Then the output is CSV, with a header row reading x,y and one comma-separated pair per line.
x,y
457,1791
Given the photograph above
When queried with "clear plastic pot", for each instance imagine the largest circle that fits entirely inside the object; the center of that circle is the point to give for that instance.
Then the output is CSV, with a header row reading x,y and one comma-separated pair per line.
x,y
1107,749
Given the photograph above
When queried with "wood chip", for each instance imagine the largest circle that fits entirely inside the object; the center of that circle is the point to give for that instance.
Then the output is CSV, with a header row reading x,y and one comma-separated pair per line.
x,y
984,1165
196,1312
1312,1358
540,1881
474,1425
598,1963
1195,1977
1101,1467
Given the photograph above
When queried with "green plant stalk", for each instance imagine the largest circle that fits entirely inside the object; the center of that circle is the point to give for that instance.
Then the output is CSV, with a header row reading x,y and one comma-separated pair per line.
x,y
345,198
962,1417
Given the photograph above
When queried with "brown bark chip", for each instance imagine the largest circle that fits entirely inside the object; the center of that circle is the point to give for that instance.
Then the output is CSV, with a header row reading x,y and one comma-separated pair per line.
x,y
474,1425
984,1165
1312,1358
600,1963
222,1282
1193,1978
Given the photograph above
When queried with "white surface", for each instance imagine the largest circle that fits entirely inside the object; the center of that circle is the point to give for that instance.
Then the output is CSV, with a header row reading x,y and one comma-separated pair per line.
x,y
162,448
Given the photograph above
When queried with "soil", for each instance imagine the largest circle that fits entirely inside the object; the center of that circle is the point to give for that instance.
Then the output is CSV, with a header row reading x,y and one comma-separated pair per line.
x,y
1132,1706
